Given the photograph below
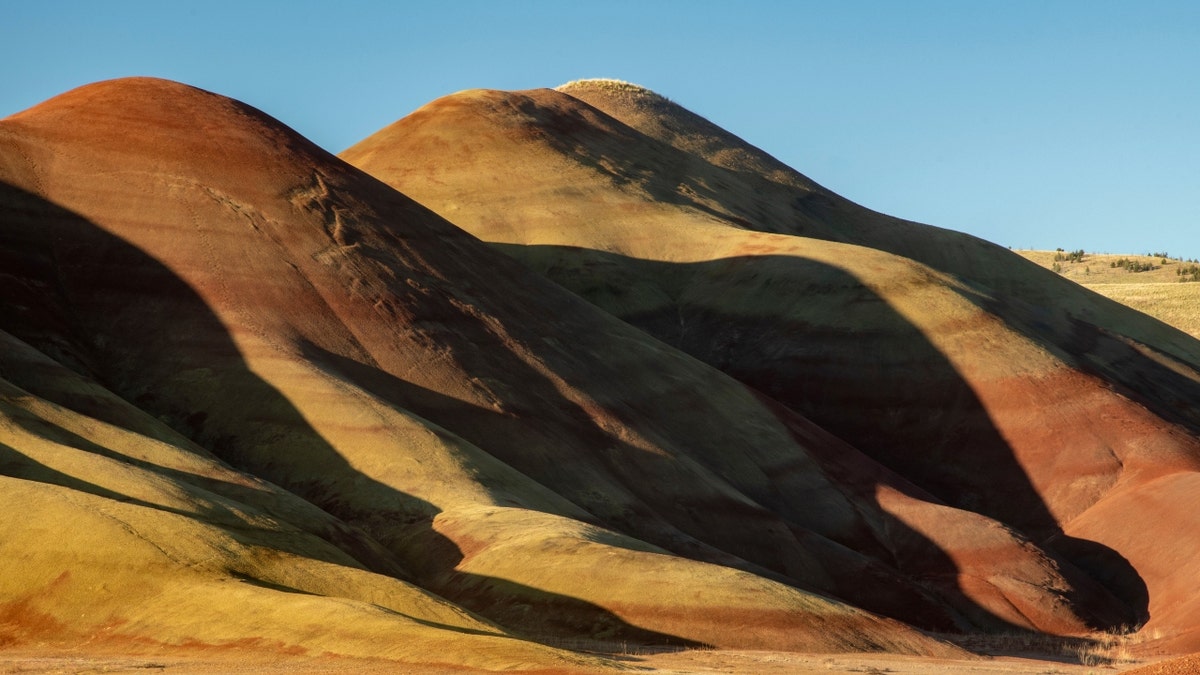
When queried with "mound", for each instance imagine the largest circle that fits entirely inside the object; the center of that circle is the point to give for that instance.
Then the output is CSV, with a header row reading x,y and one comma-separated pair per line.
x,y
994,386
232,305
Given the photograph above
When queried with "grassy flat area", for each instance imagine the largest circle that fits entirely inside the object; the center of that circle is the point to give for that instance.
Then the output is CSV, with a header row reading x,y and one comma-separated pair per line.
x,y
1157,291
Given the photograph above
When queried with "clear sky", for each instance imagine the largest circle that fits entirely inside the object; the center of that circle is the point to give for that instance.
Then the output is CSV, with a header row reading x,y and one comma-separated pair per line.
x,y
1033,124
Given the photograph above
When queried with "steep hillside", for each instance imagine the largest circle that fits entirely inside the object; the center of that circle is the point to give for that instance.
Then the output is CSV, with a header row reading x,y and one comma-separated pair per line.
x,y
200,305
993,385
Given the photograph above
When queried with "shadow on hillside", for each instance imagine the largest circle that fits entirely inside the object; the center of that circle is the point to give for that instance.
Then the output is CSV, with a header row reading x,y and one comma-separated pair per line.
x,y
668,175
111,312
100,290
815,339
856,579
617,467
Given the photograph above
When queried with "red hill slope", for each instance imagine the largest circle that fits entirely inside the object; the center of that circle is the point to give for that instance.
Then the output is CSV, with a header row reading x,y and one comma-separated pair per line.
x,y
994,386
251,396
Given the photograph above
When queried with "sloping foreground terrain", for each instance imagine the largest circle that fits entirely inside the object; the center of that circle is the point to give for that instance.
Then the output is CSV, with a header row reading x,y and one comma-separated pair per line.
x,y
1043,438
252,398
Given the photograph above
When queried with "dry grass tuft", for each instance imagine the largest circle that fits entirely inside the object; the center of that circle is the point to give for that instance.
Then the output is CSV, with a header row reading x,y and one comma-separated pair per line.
x,y
605,83
617,88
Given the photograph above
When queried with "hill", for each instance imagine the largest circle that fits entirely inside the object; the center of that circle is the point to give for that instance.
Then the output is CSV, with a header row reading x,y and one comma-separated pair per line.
x,y
1161,286
567,371
255,399
994,386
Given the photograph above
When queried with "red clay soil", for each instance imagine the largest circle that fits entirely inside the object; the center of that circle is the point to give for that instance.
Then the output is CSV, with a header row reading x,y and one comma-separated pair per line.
x,y
994,386
258,299
1184,665
252,395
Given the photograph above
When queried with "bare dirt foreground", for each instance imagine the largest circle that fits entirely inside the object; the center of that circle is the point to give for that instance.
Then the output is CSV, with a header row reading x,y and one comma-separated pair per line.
x,y
29,661
777,663
665,663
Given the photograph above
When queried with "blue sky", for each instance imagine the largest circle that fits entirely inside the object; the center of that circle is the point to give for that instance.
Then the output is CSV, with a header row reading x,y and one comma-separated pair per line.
x,y
1030,124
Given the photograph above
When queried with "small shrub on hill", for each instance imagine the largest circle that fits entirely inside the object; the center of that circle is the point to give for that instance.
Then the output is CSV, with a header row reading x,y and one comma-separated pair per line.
x,y
1073,256
1133,265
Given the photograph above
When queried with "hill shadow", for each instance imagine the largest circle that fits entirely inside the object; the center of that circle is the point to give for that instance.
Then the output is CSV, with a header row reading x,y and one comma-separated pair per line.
x,y
82,290
689,180
77,293
630,157
855,578
851,364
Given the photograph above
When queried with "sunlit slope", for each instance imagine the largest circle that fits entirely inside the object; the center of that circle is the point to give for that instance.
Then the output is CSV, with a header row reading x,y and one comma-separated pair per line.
x,y
990,383
485,434
1162,287
130,536
776,198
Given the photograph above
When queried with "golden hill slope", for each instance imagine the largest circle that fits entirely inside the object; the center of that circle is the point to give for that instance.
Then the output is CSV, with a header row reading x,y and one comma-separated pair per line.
x,y
127,535
989,382
776,198
1166,291
518,165
215,291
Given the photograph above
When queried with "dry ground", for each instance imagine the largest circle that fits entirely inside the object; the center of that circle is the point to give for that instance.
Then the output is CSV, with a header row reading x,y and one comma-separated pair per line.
x,y
778,663
670,663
